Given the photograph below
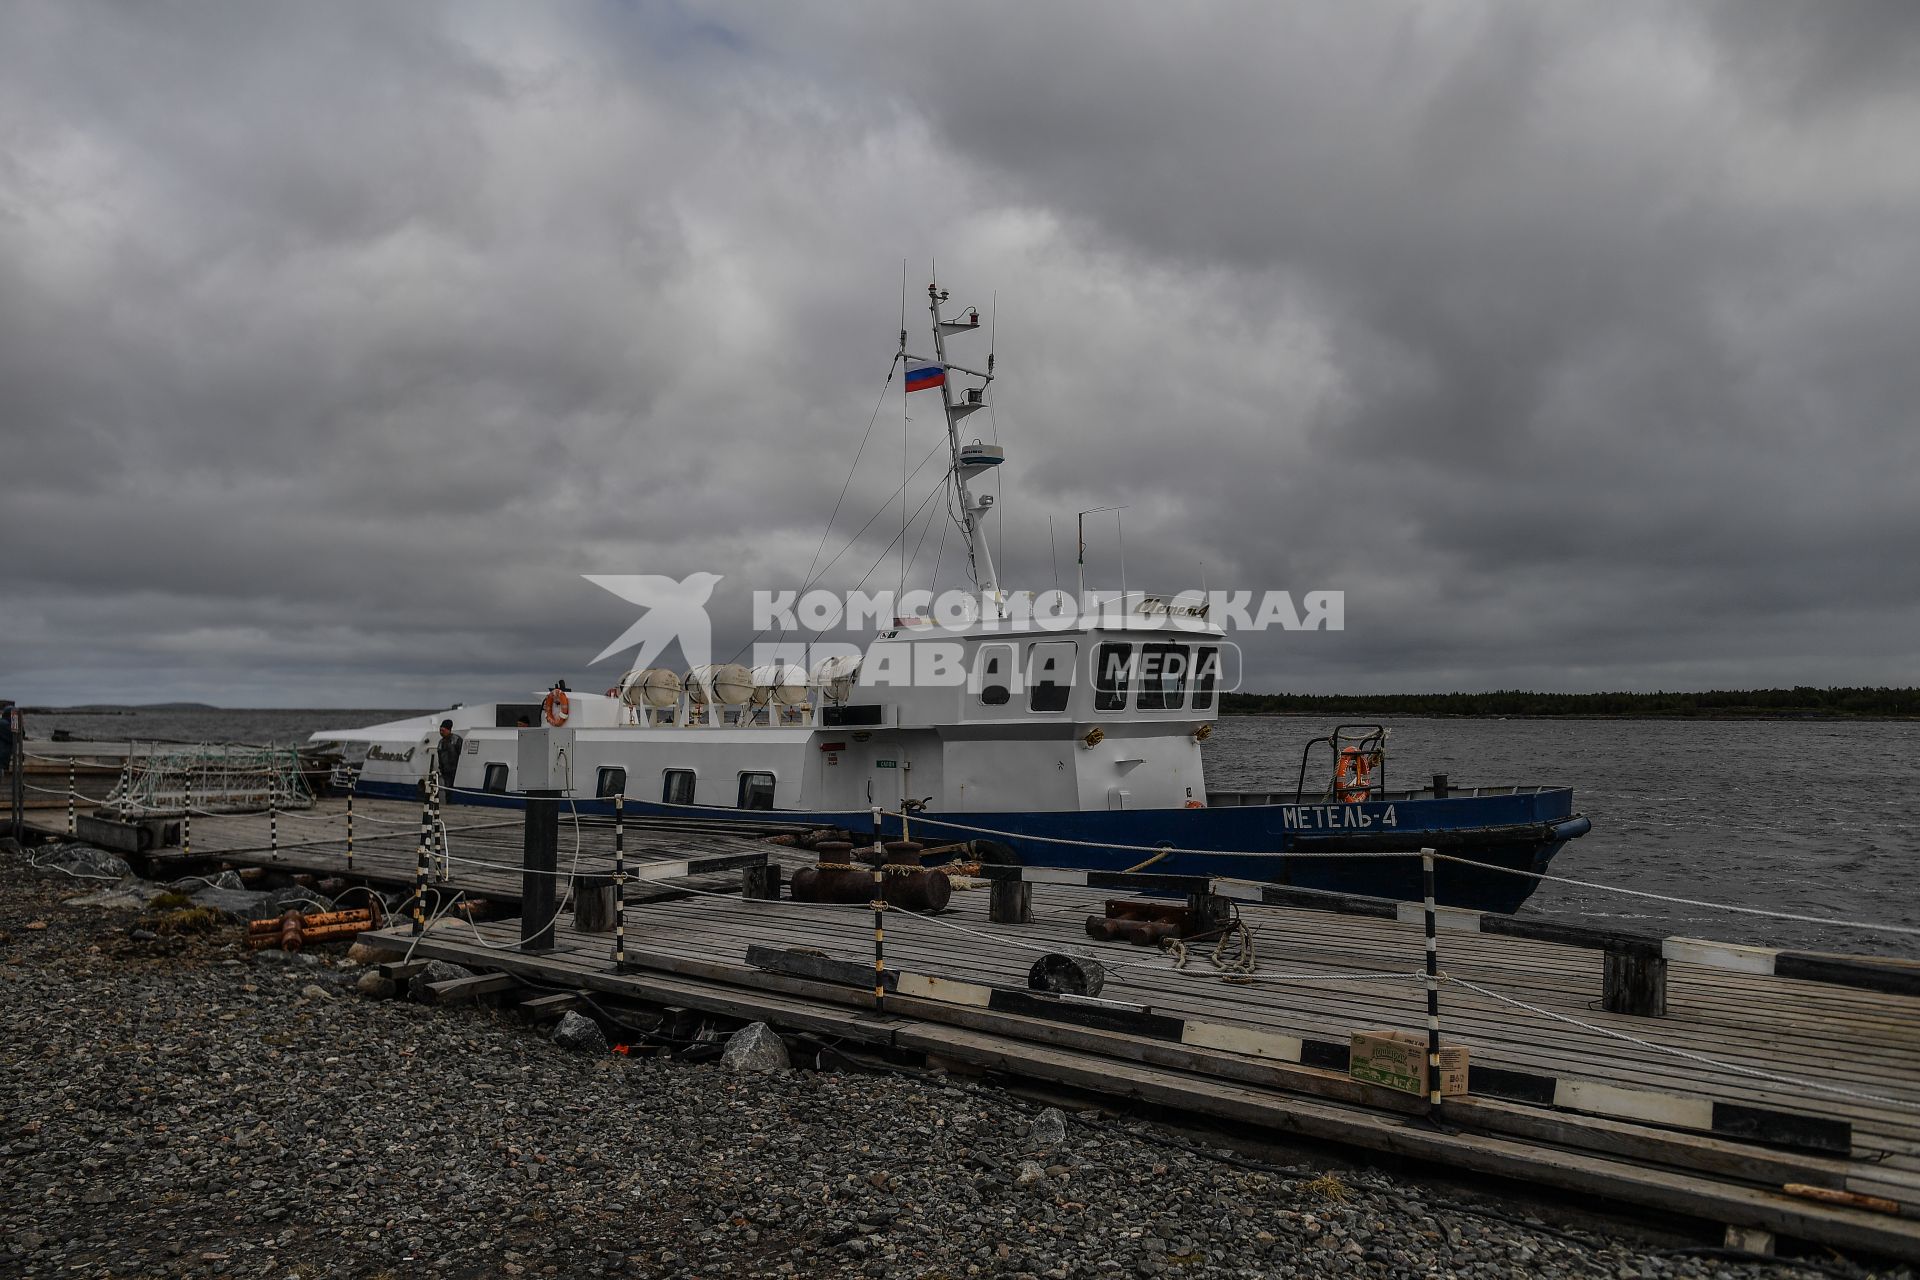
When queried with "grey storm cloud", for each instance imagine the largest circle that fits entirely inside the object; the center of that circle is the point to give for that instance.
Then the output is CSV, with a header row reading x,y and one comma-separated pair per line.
x,y
1572,342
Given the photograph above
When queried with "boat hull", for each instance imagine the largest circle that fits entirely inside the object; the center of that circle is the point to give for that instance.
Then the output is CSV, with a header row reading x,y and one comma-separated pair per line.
x,y
1344,848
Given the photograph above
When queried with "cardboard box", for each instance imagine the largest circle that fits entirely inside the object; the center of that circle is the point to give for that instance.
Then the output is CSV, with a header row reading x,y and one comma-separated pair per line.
x,y
1397,1060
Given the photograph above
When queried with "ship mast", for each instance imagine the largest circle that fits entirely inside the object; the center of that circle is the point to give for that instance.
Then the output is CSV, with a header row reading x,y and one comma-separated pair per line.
x,y
972,460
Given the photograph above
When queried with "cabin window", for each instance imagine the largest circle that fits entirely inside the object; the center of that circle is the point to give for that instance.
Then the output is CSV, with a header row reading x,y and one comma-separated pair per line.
x,y
1206,671
676,787
1050,675
1163,677
756,791
993,674
611,782
495,779
1113,668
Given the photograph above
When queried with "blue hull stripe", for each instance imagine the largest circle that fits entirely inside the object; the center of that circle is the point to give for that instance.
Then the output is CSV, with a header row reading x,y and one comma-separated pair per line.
x,y
1520,831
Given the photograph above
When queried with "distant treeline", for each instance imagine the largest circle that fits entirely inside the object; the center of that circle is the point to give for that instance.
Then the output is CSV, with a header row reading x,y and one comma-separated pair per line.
x,y
1800,701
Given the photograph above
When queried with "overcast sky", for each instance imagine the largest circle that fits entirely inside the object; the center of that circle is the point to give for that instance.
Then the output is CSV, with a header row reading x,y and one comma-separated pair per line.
x,y
1575,343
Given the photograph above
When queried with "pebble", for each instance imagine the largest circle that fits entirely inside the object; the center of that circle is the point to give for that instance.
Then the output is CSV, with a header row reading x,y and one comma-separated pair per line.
x,y
178,1115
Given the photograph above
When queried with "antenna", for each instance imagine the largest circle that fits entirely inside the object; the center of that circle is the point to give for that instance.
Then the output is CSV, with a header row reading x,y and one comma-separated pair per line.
x,y
1080,556
1054,549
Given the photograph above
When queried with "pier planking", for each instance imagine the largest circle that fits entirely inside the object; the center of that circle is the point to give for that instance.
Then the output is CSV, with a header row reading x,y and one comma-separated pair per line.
x,y
688,946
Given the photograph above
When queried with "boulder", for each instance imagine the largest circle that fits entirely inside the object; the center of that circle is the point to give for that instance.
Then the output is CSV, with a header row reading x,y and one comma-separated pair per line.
x,y
1049,1128
436,971
580,1033
375,987
131,893
755,1049
244,903
84,860
364,953
194,884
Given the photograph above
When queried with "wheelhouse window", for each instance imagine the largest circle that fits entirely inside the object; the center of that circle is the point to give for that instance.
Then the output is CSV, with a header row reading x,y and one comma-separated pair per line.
x,y
1206,673
1112,671
993,674
1163,677
756,791
612,781
495,779
1050,675
676,786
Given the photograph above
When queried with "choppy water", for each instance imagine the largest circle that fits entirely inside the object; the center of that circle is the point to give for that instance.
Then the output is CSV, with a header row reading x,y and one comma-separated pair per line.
x,y
1812,817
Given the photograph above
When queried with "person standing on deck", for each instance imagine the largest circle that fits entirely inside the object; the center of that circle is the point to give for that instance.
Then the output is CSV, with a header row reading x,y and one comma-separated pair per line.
x,y
447,754
6,735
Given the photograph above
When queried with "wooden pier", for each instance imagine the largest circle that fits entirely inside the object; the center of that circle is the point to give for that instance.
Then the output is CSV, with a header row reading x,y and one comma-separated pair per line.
x,y
1751,1083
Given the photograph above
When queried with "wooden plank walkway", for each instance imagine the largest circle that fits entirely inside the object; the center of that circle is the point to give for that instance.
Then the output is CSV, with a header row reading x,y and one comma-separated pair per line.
x,y
1799,1047
482,847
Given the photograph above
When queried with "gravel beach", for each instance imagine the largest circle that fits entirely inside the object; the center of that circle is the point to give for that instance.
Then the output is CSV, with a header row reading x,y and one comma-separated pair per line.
x,y
187,1108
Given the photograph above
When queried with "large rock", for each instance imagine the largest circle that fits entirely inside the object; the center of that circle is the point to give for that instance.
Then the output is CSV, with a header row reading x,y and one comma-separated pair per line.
x,y
375,987
367,953
84,860
1049,1128
755,1048
194,884
578,1032
244,903
436,971
130,894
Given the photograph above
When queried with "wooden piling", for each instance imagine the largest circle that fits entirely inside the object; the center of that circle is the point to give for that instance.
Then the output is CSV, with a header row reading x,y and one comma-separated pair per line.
x,y
1433,984
1010,902
1635,982
620,881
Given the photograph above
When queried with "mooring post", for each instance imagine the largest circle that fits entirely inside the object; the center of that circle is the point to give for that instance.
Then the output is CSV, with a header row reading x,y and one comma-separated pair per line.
x,y
439,826
17,778
620,881
1009,901
71,789
420,868
1433,986
879,922
1635,980
273,818
539,864
353,781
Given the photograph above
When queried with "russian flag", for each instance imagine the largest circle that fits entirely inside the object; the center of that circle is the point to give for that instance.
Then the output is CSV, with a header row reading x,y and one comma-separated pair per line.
x,y
927,376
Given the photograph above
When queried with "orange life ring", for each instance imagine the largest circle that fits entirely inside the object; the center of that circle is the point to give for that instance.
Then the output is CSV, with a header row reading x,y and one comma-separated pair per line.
x,y
1196,804
1353,776
557,707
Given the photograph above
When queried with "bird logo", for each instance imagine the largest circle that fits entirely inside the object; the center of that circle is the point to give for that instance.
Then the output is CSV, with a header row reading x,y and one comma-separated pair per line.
x,y
676,609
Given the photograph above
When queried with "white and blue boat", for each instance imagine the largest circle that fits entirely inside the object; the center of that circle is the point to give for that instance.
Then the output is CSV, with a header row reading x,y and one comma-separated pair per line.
x,y
1074,746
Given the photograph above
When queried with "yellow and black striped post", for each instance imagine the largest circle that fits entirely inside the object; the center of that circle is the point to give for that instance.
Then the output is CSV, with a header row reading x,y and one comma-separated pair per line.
x,y
353,781
186,820
439,829
1433,985
273,819
71,788
879,917
420,866
620,881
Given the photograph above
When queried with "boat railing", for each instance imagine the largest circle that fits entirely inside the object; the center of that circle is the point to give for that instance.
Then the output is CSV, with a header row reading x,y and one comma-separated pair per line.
x,y
1238,799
